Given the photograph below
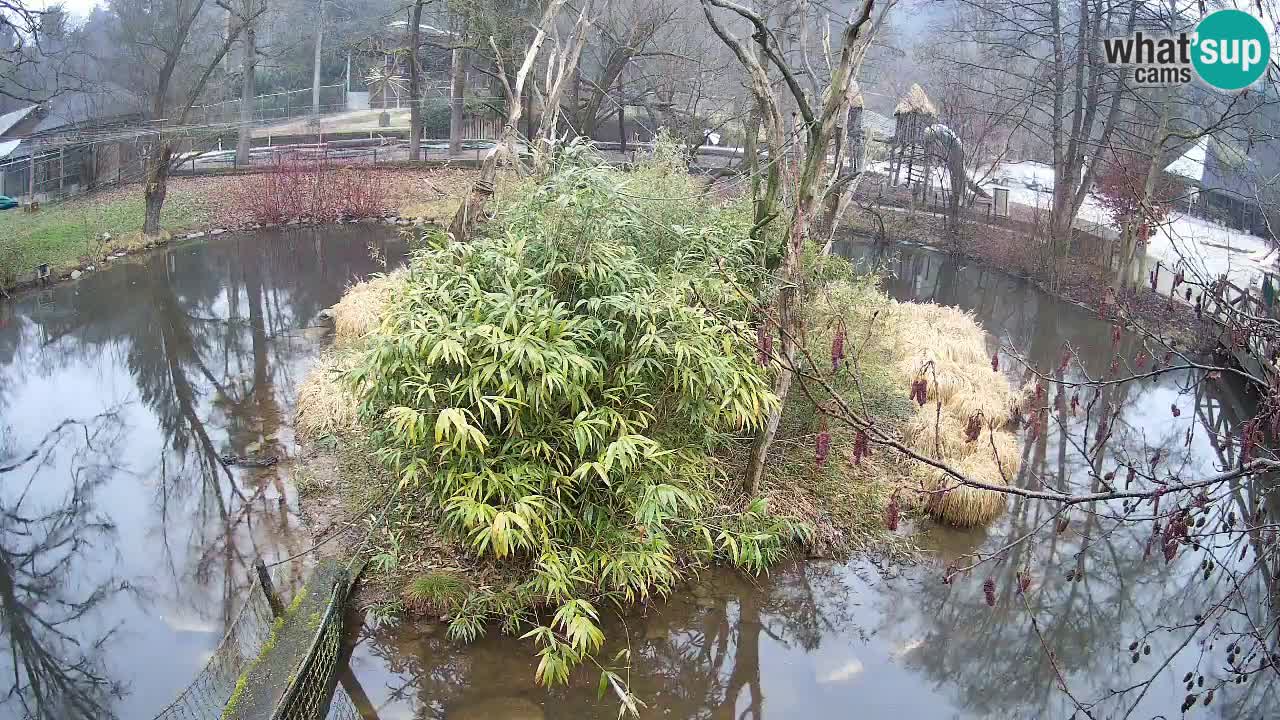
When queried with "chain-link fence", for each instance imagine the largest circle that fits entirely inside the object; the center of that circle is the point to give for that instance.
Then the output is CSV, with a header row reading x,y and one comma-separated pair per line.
x,y
275,106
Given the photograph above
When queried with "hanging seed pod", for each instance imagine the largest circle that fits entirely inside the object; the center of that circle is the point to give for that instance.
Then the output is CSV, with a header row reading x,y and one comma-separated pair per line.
x,y
973,427
920,389
837,348
764,345
1130,477
1115,365
1075,403
995,361
1155,458
1063,523
1153,280
1024,582
1188,295
860,446
892,513
989,591
1174,410
1246,442
1115,334
823,447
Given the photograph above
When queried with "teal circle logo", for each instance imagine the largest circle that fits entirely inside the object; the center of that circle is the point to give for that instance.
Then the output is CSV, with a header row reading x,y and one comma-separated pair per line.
x,y
1232,49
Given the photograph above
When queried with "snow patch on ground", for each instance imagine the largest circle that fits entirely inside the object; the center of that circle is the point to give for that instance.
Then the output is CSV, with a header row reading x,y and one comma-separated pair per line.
x,y
1205,249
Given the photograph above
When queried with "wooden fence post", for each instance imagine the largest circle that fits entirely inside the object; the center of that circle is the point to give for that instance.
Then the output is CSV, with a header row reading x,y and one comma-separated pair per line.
x,y
268,588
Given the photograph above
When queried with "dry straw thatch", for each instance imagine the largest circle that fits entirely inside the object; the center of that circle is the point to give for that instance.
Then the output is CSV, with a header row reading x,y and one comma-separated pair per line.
x,y
360,310
952,345
855,95
915,101
325,405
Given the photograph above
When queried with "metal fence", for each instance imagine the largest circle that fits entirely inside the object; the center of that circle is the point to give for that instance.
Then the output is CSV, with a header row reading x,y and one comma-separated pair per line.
x,y
275,106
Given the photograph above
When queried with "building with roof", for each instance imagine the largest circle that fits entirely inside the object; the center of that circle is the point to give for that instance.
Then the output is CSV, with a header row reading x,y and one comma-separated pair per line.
x,y
1228,184
69,143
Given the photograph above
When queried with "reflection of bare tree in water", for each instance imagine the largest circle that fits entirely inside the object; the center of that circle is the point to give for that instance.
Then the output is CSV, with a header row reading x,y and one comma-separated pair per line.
x,y
54,672
197,381
1098,585
689,659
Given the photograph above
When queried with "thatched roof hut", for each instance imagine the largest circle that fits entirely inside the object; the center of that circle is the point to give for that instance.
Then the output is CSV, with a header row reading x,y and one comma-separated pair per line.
x,y
915,102
855,93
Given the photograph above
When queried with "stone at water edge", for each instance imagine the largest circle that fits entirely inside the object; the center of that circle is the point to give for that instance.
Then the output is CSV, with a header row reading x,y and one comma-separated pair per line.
x,y
75,274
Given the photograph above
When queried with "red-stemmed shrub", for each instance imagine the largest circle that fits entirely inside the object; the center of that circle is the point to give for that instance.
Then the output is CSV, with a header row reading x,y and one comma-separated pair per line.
x,y
300,189
1121,188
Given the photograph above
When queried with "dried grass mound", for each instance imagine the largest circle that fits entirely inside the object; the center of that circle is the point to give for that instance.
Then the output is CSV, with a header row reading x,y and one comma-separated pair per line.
x,y
950,347
915,101
325,405
360,310
961,505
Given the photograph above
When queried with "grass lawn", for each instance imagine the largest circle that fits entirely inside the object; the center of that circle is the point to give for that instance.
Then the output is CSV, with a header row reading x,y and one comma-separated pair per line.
x,y
64,233
67,234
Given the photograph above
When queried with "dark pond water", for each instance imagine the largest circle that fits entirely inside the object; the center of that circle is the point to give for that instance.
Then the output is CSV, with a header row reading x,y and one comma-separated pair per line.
x,y
123,540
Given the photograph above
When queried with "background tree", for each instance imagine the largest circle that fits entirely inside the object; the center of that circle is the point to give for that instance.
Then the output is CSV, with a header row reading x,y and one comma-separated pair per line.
x,y
170,50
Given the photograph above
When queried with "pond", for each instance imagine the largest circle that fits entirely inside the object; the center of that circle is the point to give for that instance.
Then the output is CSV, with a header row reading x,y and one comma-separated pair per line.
x,y
124,541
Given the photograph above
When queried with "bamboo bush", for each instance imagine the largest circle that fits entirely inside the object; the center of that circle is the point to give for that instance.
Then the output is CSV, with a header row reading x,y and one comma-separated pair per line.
x,y
556,401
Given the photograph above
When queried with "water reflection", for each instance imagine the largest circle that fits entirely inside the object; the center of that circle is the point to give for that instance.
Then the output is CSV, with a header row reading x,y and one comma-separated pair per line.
x,y
830,640
53,670
172,360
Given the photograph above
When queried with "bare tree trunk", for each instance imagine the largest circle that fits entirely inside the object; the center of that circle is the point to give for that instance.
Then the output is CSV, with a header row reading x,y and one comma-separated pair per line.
x,y
562,63
1123,279
464,220
248,89
156,186
457,100
415,83
315,73
819,127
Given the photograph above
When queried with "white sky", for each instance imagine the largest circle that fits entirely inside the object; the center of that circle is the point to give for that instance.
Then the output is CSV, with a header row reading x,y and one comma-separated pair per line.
x,y
76,8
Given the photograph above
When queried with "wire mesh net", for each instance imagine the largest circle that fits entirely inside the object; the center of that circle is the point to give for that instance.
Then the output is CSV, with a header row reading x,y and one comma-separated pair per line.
x,y
311,692
207,696
313,681
342,707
